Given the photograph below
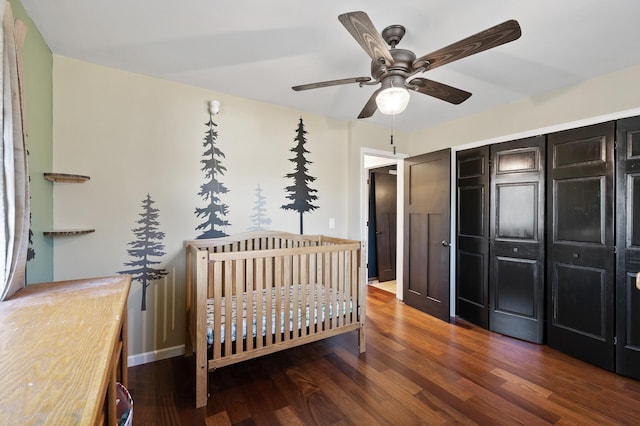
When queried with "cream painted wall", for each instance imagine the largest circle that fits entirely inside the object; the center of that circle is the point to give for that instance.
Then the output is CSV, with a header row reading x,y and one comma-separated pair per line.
x,y
589,102
135,135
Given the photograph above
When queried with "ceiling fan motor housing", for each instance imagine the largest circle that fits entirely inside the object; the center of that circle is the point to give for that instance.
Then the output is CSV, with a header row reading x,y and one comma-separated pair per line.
x,y
402,65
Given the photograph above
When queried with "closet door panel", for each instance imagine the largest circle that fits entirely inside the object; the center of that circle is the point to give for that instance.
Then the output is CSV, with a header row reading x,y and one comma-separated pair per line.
x,y
516,267
628,247
580,242
472,275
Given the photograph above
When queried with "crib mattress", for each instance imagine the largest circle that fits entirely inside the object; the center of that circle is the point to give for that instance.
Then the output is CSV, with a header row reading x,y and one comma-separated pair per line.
x,y
314,295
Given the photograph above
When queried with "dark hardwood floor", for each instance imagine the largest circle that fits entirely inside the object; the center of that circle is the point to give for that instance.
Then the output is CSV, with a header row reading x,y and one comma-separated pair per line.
x,y
416,370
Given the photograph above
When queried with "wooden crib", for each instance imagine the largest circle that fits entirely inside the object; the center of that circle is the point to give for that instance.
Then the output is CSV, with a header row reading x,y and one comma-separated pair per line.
x,y
260,292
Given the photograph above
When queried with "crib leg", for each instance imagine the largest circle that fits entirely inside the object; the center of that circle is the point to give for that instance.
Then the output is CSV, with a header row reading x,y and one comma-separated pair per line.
x,y
362,341
202,390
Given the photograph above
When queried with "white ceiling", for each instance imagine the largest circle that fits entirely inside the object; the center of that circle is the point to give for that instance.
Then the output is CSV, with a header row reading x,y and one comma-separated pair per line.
x,y
258,49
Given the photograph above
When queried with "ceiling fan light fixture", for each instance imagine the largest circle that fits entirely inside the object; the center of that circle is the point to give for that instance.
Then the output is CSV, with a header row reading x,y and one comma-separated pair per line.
x,y
392,100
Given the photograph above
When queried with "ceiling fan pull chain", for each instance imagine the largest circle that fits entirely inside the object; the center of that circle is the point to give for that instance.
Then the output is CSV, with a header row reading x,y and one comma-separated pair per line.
x,y
393,130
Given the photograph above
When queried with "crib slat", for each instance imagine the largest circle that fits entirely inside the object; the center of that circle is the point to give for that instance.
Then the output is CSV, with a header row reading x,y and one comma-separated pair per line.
x,y
327,289
355,284
304,296
250,303
320,290
217,310
340,291
270,308
295,302
286,304
259,284
334,290
239,278
209,284
313,293
347,288
277,288
228,314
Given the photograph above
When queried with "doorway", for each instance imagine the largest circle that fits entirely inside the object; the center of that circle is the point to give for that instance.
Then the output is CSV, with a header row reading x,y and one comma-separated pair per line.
x,y
377,160
382,223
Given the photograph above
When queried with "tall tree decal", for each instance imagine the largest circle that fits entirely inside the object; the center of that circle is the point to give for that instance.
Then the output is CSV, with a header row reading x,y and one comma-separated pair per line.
x,y
300,194
215,212
259,218
148,244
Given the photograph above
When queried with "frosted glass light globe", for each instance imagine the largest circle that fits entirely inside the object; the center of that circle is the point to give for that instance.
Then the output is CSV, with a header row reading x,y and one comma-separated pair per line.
x,y
392,100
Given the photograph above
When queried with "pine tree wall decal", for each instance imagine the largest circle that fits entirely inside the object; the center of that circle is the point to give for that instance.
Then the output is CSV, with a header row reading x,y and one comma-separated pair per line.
x,y
148,244
300,194
259,219
215,212
31,252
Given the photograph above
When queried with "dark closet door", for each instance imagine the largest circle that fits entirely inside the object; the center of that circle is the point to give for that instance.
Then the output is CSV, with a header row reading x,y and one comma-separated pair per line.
x,y
628,248
427,221
580,243
385,202
472,254
516,266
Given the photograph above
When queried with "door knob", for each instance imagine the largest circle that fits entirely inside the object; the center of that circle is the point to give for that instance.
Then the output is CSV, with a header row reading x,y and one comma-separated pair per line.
x,y
445,243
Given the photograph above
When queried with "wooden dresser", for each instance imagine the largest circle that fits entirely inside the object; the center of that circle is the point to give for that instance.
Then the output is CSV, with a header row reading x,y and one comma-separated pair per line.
x,y
63,346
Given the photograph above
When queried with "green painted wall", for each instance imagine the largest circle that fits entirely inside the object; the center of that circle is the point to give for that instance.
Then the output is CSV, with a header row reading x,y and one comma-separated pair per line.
x,y
38,62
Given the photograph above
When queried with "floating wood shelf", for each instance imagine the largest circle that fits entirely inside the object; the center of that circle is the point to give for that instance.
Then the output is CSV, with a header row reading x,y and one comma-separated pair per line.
x,y
67,232
68,178
65,177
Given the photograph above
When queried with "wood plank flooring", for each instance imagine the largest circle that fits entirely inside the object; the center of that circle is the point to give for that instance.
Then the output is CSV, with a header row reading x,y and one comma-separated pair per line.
x,y
416,370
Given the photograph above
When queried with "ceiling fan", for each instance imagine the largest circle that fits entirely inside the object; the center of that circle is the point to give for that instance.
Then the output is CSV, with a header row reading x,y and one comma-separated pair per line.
x,y
393,68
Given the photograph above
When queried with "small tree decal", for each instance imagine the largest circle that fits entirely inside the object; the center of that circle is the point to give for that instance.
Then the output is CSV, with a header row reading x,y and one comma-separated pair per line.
x,y
259,218
148,244
31,253
215,211
300,194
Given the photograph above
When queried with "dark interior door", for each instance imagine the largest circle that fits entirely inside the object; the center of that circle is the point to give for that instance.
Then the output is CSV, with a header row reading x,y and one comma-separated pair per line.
x,y
472,248
426,233
580,271
628,247
516,265
385,210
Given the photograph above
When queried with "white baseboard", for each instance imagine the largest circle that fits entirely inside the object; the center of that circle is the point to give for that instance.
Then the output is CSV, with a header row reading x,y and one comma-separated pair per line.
x,y
158,355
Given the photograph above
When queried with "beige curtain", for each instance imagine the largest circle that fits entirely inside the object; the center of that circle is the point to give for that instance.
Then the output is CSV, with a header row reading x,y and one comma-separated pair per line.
x,y
14,182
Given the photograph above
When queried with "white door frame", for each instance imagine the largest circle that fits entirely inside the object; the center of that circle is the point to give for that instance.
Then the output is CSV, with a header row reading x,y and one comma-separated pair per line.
x,y
372,158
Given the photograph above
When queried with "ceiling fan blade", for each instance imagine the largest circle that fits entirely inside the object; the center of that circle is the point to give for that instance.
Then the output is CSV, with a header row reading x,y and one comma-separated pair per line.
x,y
439,90
492,37
331,83
371,106
365,33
